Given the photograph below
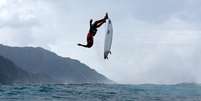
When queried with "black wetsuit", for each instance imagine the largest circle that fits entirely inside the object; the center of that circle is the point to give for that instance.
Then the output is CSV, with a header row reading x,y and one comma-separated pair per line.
x,y
92,32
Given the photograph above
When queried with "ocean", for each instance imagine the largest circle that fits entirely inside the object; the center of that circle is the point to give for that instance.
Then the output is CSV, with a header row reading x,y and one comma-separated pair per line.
x,y
100,92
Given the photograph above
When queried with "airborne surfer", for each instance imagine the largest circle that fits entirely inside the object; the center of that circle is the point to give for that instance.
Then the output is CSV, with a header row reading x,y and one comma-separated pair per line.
x,y
93,30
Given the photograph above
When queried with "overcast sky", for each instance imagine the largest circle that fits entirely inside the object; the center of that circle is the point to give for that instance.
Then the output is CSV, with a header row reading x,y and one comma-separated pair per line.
x,y
155,41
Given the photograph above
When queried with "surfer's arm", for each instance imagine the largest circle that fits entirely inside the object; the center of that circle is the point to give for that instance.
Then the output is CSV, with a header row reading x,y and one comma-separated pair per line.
x,y
90,22
98,23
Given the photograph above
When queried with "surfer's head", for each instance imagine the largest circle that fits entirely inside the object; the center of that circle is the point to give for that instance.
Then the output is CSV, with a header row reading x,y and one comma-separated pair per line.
x,y
91,20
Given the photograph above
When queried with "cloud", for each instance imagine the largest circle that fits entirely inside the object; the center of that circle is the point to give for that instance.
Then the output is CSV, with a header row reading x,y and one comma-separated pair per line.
x,y
17,22
156,10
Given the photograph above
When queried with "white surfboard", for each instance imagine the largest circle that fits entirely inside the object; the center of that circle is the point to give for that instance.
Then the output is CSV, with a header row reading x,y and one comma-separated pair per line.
x,y
108,39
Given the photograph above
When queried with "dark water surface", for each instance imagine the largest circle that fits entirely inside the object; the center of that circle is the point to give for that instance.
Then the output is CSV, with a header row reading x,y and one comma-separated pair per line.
x,y
100,92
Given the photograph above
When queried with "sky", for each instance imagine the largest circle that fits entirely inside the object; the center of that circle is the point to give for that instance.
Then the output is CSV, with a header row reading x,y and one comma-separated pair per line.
x,y
155,41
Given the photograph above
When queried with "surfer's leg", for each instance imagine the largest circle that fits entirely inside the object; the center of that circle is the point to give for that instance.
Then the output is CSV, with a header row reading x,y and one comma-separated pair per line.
x,y
89,42
81,45
88,45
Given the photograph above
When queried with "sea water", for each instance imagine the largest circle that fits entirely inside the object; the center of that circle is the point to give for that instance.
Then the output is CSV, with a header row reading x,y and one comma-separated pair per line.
x,y
100,92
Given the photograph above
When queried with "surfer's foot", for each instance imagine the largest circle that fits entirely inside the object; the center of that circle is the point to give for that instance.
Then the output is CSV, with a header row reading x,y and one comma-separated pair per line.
x,y
79,44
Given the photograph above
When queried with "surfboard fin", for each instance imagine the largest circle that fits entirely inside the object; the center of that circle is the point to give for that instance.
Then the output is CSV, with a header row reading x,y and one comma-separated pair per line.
x,y
110,52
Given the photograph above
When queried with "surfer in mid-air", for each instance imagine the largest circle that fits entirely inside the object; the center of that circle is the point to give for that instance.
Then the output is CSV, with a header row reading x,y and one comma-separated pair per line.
x,y
93,30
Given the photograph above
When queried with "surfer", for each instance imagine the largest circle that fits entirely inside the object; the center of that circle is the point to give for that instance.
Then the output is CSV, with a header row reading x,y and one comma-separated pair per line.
x,y
93,30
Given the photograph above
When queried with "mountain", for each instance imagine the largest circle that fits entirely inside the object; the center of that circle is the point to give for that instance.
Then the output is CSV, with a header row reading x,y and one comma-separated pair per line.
x,y
10,73
61,70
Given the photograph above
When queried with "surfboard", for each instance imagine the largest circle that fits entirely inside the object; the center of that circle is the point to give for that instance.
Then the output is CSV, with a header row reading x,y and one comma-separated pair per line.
x,y
108,39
